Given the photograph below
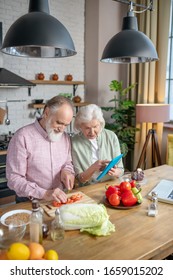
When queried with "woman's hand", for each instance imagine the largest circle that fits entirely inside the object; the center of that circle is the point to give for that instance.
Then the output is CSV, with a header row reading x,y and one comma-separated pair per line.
x,y
116,171
99,165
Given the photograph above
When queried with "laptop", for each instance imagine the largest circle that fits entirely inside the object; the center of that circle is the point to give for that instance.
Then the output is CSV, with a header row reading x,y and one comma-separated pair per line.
x,y
164,190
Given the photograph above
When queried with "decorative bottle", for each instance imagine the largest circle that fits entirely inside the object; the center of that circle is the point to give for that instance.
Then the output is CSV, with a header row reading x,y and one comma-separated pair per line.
x,y
57,228
153,207
36,220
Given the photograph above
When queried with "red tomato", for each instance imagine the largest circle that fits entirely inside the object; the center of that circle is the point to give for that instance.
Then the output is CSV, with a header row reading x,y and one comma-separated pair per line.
x,y
56,203
133,183
114,199
111,189
125,186
128,198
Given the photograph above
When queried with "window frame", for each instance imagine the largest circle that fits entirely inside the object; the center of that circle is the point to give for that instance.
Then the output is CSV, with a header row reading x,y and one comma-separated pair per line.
x,y
169,72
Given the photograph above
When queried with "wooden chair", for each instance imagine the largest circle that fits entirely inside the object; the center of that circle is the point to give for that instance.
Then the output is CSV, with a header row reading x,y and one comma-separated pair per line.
x,y
169,159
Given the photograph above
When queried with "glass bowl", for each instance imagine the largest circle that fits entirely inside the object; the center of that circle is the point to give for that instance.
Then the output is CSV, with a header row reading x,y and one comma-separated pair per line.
x,y
11,233
38,101
127,177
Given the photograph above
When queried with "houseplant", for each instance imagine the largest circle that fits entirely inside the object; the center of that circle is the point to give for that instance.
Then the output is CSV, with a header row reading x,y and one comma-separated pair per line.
x,y
122,118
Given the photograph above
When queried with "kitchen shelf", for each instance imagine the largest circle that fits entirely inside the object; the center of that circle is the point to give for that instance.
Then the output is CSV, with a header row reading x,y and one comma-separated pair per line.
x,y
51,82
41,106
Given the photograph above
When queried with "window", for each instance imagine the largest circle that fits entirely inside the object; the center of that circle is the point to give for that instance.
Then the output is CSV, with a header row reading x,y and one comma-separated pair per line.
x,y
169,72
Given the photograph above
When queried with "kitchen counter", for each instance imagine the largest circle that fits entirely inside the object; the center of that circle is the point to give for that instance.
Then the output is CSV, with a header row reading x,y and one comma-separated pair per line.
x,y
4,152
137,235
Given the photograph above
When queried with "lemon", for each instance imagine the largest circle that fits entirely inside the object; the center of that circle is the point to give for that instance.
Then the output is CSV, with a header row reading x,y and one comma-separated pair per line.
x,y
18,251
51,255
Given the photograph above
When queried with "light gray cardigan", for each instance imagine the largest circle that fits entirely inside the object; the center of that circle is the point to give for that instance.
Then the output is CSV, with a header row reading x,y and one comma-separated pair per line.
x,y
109,148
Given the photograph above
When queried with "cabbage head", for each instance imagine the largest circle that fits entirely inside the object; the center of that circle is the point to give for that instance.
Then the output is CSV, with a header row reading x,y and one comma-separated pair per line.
x,y
91,218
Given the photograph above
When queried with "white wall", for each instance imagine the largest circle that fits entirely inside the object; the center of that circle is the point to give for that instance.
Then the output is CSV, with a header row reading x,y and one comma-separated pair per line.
x,y
91,24
103,20
71,14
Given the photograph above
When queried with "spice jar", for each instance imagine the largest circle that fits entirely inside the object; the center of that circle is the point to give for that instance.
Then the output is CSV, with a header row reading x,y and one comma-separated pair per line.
x,y
57,228
45,230
153,207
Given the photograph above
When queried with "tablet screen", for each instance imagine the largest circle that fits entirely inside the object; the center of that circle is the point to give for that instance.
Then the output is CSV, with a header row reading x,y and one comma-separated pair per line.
x,y
109,166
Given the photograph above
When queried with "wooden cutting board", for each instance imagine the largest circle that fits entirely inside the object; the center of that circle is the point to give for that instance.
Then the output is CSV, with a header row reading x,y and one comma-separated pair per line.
x,y
2,115
50,209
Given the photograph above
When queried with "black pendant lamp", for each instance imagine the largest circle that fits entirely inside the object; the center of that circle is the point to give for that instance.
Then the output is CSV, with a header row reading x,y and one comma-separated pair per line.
x,y
129,45
38,34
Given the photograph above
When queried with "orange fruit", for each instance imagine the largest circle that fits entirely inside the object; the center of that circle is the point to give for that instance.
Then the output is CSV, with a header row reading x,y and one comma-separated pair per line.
x,y
51,255
36,251
18,251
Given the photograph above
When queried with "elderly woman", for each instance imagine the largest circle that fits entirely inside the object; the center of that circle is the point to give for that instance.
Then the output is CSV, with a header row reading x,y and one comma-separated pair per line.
x,y
93,147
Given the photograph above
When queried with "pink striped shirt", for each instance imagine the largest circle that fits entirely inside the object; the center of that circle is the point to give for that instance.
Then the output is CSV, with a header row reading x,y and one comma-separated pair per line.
x,y
34,162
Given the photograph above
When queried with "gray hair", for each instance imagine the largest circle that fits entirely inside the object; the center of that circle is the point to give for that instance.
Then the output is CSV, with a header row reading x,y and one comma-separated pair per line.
x,y
57,101
88,113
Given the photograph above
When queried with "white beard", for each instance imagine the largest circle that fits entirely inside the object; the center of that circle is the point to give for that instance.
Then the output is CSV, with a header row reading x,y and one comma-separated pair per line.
x,y
53,136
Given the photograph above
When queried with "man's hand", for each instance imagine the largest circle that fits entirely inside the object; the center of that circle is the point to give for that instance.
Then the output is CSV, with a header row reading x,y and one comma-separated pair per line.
x,y
67,179
56,194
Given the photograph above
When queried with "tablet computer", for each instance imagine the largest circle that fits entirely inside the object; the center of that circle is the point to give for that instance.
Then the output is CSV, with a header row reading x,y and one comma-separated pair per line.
x,y
111,164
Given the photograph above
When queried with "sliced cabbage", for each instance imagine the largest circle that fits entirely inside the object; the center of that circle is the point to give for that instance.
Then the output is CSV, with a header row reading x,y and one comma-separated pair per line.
x,y
92,218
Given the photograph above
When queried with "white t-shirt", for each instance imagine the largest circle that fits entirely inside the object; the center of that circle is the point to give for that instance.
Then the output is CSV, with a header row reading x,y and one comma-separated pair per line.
x,y
95,156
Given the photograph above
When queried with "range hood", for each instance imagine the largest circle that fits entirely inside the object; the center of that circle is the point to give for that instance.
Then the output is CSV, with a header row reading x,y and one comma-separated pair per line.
x,y
9,79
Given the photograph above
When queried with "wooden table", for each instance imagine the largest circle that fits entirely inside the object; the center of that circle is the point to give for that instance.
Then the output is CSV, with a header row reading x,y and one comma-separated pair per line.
x,y
137,235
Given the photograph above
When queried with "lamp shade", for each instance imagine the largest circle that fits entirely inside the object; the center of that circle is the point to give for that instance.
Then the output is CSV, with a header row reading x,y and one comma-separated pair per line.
x,y
129,45
152,113
38,34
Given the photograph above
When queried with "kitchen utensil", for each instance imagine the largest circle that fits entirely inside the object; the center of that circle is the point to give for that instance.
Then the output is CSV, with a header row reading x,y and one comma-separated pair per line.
x,y
7,121
2,114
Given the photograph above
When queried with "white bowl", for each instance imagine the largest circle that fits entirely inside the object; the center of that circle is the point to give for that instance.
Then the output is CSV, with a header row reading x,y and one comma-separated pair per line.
x,y
16,215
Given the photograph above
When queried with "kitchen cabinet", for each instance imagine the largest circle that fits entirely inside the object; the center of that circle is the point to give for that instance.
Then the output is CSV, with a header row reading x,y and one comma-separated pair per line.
x,y
6,195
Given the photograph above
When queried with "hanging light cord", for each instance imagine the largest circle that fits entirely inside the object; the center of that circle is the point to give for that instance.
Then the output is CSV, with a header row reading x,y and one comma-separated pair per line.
x,y
149,7
131,4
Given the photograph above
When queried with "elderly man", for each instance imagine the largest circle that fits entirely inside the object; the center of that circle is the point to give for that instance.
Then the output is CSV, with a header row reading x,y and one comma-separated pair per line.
x,y
39,163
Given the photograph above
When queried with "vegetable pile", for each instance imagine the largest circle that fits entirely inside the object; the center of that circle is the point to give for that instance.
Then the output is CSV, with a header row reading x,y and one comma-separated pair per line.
x,y
73,198
91,218
127,193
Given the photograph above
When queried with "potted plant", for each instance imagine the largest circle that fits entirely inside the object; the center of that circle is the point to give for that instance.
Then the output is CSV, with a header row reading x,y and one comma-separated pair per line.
x,y
122,119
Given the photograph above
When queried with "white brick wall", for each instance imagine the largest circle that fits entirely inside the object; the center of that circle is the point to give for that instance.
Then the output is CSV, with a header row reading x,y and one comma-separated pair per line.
x,y
71,14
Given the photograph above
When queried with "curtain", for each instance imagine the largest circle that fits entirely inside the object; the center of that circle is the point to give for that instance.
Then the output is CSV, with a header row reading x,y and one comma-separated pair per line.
x,y
151,77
